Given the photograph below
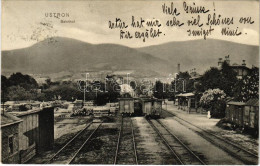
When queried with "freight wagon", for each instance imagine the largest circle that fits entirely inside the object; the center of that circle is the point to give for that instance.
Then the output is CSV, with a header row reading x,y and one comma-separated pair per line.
x,y
234,112
251,113
243,115
138,107
157,107
142,106
151,107
126,106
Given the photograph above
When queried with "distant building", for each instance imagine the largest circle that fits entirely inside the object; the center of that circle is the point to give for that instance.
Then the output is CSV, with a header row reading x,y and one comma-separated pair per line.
x,y
10,138
41,80
241,70
194,75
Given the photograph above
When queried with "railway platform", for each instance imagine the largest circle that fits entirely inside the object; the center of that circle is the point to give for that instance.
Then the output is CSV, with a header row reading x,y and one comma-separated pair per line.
x,y
203,122
200,120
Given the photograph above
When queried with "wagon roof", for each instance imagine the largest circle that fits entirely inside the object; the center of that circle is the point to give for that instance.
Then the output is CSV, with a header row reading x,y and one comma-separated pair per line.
x,y
252,102
236,103
185,95
32,111
8,119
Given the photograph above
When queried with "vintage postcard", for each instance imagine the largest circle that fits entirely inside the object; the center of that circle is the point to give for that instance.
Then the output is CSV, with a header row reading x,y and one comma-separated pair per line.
x,y
130,82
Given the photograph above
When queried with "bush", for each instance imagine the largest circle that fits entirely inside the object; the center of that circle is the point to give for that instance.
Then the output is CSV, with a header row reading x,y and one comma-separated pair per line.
x,y
213,100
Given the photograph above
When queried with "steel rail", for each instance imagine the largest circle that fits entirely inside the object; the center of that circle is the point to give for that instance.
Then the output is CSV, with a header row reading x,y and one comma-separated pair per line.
x,y
186,147
73,157
166,143
57,153
133,135
221,139
118,141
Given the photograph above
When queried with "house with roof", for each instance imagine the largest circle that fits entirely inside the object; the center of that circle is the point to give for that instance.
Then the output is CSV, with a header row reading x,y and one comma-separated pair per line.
x,y
240,69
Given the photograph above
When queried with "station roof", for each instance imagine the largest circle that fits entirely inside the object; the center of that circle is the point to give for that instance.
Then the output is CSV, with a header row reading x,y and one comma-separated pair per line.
x,y
236,103
185,95
8,119
100,108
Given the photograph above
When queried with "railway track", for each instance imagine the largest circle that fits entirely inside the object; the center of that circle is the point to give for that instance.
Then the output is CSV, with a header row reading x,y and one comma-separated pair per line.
x,y
126,142
228,146
69,151
182,153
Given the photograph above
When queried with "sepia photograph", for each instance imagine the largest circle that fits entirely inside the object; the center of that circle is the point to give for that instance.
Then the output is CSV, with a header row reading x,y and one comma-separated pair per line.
x,y
130,82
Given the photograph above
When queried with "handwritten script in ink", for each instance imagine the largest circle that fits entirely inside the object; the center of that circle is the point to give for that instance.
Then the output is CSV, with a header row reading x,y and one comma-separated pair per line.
x,y
199,21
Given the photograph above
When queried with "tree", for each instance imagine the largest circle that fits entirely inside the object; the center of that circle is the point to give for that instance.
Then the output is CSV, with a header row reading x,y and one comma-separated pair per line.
x,y
163,90
66,92
18,87
158,90
248,86
15,93
183,83
4,86
25,81
224,79
211,79
229,79
4,82
213,100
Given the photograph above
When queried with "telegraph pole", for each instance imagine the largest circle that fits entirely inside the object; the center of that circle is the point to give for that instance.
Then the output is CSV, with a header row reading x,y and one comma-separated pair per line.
x,y
84,93
183,82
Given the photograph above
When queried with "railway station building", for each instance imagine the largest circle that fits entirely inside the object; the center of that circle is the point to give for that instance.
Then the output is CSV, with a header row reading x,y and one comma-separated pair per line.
x,y
187,102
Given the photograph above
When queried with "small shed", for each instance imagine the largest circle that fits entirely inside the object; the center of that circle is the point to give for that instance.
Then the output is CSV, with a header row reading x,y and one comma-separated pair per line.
x,y
36,131
10,138
186,101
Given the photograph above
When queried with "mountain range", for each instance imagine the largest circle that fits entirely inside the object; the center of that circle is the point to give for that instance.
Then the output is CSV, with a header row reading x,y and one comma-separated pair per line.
x,y
65,54
202,54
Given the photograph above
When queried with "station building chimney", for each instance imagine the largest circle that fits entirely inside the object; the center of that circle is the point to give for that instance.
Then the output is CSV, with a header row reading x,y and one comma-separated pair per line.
x,y
243,62
179,68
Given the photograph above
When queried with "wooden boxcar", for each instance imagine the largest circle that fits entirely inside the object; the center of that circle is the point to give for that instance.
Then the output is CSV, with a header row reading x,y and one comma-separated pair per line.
x,y
234,112
126,105
146,106
157,106
151,107
244,115
251,113
138,107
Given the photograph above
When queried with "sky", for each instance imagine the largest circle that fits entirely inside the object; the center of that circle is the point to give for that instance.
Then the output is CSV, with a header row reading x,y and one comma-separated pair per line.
x,y
25,23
